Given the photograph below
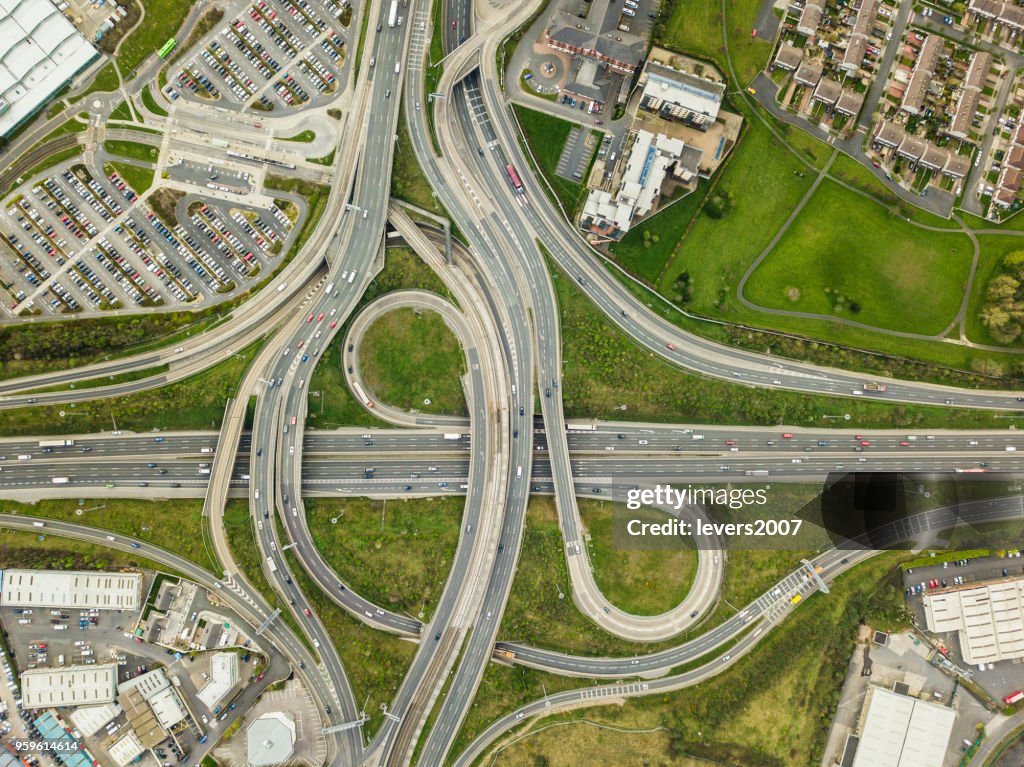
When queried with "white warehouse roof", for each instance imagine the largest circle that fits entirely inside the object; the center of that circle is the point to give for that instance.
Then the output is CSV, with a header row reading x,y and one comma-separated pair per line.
x,y
223,676
155,689
989,617
901,731
89,720
60,588
40,51
126,749
71,686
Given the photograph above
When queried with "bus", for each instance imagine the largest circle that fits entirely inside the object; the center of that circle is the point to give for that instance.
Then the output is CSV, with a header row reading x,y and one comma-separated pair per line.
x,y
167,47
1013,697
514,178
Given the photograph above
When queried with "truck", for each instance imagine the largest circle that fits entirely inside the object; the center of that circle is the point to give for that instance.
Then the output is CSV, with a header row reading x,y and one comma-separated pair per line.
x,y
505,654
56,443
272,565
452,435
393,13
61,480
206,450
38,524
872,386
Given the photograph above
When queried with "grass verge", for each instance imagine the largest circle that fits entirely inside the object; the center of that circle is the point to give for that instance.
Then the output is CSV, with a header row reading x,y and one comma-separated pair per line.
x,y
395,553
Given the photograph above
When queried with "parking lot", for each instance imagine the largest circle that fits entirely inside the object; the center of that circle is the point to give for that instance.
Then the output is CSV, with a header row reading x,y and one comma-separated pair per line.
x,y
78,242
277,54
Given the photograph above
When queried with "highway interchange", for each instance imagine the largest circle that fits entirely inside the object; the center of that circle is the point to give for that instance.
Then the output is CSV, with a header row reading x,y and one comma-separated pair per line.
x,y
509,327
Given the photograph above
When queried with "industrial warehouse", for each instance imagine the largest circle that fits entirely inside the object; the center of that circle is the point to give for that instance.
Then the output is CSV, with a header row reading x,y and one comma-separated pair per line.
x,y
72,589
40,51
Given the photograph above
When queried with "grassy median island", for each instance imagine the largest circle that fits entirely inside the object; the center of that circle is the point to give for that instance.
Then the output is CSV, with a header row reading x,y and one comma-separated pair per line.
x,y
176,526
772,708
395,553
133,150
604,370
641,582
375,662
409,356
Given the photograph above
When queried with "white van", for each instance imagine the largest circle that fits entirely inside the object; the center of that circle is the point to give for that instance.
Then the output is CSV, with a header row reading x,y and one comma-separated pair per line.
x,y
519,472
629,12
398,67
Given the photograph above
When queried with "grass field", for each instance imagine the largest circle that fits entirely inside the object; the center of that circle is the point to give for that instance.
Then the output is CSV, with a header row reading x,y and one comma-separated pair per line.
x,y
546,135
194,403
304,137
639,582
604,370
395,553
330,402
161,20
647,247
695,27
773,707
105,81
407,359
139,179
173,525
717,251
845,253
133,150
122,112
375,662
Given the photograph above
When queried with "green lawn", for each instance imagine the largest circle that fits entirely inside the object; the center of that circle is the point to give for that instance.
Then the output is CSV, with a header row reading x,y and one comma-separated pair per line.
x,y
133,150
304,137
330,402
173,525
161,20
717,250
695,27
773,707
194,403
647,246
639,582
327,159
395,553
546,136
993,248
375,662
846,256
604,370
151,104
122,112
139,179
71,125
407,359
104,82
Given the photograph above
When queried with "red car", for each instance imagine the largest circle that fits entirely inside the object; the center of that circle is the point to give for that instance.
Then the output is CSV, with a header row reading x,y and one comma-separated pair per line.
x,y
904,443
306,612
260,677
453,23
299,344
671,347
309,318
865,443
730,442
787,435
334,324
320,316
